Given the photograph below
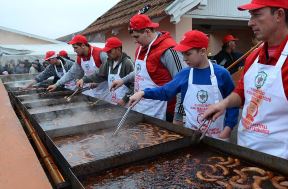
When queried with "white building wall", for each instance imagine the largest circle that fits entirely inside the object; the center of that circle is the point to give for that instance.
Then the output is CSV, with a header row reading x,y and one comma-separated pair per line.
x,y
221,9
10,38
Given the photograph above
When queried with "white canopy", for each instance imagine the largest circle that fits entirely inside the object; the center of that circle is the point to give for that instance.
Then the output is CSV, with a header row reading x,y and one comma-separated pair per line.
x,y
32,52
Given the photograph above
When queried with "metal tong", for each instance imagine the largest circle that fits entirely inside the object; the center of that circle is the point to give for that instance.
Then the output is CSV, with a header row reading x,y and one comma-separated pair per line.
x,y
196,137
78,90
121,123
94,103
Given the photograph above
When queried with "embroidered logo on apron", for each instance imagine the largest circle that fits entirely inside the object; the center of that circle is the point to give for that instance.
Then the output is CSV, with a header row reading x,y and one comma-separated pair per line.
x,y
138,68
111,79
260,79
202,96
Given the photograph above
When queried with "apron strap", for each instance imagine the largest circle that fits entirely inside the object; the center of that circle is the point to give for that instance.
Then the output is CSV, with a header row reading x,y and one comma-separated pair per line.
x,y
283,57
146,55
149,47
278,65
139,50
214,83
119,69
190,80
64,71
109,69
213,80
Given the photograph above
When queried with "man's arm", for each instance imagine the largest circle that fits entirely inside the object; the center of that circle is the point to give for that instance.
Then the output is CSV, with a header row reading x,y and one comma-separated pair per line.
x,y
74,73
98,76
164,93
169,90
174,63
48,72
216,110
129,78
231,116
128,68
103,57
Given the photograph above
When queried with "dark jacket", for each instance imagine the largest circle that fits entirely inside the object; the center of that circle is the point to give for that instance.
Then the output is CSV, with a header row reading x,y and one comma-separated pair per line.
x,y
225,59
102,75
50,70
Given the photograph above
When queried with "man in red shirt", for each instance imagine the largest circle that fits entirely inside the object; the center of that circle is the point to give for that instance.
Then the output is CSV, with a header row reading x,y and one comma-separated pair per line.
x,y
156,63
89,60
263,89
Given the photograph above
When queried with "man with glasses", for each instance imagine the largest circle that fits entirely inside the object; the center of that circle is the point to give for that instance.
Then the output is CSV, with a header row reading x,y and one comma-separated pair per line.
x,y
156,63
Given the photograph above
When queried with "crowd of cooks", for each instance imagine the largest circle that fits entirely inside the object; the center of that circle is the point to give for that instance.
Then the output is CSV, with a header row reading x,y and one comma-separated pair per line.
x,y
179,84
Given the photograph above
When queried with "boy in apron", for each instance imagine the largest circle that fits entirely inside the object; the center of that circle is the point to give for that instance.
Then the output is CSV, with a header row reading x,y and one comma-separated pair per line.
x,y
201,85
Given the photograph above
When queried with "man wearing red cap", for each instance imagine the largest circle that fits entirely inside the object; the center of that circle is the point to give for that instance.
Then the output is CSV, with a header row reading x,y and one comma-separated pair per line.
x,y
155,65
263,89
57,68
202,84
228,55
64,55
89,59
119,65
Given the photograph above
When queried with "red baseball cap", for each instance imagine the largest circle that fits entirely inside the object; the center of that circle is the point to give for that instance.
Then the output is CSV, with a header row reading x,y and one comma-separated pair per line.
x,y
49,55
228,38
78,39
63,53
111,43
192,39
258,4
141,21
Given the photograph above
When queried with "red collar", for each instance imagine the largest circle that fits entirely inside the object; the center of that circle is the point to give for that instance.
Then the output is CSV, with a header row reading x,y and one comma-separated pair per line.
x,y
272,59
89,54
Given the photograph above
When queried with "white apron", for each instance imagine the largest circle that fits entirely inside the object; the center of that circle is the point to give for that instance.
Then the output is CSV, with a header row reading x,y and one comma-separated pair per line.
x,y
154,108
119,93
68,85
264,123
89,67
197,100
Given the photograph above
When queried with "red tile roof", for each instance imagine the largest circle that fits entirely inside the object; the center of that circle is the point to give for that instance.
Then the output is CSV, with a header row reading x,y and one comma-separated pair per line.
x,y
120,14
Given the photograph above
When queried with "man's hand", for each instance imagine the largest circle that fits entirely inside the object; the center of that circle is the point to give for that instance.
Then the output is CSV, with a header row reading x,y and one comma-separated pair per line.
x,y
93,85
177,122
134,99
225,134
80,83
121,103
214,111
51,88
29,85
116,84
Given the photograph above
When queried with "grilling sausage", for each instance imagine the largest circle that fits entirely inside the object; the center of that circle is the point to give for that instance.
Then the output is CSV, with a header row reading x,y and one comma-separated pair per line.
x,y
234,184
254,169
201,177
275,181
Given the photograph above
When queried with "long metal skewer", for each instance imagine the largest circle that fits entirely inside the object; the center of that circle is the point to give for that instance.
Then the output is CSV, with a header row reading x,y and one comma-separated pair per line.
x,y
76,92
121,123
